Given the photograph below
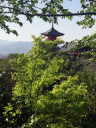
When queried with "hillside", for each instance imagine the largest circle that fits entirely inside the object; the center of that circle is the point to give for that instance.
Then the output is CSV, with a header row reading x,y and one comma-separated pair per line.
x,y
7,47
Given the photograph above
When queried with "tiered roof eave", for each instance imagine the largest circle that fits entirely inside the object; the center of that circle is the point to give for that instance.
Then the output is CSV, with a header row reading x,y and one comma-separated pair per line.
x,y
52,32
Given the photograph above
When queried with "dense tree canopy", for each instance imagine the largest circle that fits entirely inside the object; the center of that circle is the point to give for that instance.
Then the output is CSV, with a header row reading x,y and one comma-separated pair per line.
x,y
45,9
52,89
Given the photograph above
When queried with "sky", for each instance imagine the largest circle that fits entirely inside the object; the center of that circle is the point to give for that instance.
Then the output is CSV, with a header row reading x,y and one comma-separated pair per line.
x,y
71,30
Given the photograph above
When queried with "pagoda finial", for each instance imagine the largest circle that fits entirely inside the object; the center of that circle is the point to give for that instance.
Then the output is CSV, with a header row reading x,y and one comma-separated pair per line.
x,y
52,24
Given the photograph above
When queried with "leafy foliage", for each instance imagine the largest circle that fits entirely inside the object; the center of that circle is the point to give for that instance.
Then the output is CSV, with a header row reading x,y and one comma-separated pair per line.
x,y
11,9
67,104
88,6
6,84
52,90
88,44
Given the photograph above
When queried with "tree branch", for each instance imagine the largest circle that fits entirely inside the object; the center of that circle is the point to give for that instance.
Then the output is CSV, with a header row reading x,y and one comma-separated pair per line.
x,y
6,7
49,15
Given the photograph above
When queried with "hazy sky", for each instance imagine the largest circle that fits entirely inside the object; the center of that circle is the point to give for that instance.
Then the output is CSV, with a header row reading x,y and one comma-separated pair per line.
x,y
69,28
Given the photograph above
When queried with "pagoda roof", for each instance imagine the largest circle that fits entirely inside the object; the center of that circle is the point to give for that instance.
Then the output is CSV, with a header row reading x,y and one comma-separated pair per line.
x,y
52,32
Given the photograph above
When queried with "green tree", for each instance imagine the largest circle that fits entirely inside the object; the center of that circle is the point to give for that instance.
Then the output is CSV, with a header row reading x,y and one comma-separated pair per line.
x,y
88,6
64,107
37,74
87,42
6,84
88,76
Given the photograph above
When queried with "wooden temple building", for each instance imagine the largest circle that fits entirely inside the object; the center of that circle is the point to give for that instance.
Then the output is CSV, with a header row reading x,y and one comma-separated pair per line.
x,y
69,48
52,34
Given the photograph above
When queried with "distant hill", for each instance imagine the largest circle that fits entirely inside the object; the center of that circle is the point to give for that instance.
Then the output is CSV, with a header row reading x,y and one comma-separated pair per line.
x,y
7,47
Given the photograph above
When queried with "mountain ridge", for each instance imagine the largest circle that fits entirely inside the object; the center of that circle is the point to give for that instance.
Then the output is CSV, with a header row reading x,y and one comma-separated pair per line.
x,y
7,47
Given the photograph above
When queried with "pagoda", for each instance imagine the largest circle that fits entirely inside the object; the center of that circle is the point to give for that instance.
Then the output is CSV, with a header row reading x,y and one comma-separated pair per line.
x,y
52,34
